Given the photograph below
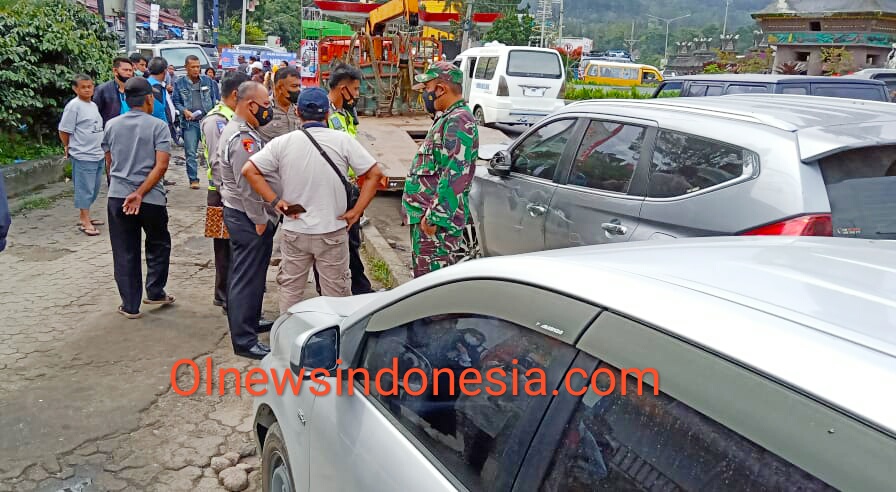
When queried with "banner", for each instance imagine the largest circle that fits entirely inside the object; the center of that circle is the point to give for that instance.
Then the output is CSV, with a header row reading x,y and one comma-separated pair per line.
x,y
154,16
276,57
309,63
229,57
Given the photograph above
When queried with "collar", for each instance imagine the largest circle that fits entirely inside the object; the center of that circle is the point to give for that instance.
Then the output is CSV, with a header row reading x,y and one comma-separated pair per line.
x,y
451,109
313,124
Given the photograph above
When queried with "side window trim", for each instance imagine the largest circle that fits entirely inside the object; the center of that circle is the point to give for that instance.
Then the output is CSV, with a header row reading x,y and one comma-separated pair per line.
x,y
563,167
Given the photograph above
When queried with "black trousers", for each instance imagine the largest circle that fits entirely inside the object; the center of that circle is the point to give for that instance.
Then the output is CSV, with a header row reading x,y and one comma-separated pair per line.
x,y
250,255
360,282
222,255
125,234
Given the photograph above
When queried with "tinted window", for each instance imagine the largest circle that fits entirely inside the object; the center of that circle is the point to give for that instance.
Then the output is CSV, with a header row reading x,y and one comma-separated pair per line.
x,y
669,89
850,91
525,63
695,90
656,443
861,186
796,90
714,90
473,436
486,68
746,89
176,56
611,72
608,156
540,153
685,164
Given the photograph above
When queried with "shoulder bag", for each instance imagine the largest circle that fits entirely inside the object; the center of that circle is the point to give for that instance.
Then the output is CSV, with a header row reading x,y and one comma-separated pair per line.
x,y
351,191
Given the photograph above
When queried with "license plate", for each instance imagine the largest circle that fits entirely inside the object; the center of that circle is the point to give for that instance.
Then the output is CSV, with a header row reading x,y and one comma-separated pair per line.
x,y
534,91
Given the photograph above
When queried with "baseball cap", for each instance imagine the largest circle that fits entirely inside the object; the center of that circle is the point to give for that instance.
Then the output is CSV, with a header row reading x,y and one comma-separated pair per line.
x,y
137,87
257,64
439,70
314,102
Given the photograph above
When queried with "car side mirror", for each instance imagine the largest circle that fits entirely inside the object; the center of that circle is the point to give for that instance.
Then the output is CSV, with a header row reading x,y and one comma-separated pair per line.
x,y
499,165
315,349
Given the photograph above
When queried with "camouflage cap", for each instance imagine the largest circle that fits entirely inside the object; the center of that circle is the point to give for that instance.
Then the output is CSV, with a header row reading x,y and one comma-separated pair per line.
x,y
440,70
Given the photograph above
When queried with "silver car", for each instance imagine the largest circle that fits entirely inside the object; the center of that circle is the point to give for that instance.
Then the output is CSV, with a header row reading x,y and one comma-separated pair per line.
x,y
763,363
614,171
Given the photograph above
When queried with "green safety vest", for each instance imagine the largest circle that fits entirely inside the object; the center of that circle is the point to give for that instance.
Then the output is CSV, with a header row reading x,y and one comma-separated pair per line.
x,y
344,123
223,110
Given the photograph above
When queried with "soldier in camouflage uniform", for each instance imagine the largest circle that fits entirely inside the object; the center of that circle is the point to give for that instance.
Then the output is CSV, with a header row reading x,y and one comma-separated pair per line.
x,y
437,189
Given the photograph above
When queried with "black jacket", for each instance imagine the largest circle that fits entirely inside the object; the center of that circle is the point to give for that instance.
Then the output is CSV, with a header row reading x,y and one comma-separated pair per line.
x,y
108,100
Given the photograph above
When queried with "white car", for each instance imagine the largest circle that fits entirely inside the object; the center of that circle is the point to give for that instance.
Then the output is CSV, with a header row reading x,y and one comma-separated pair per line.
x,y
762,363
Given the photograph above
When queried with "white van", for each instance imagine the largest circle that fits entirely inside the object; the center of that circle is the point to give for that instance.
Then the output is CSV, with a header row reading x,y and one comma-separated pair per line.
x,y
517,85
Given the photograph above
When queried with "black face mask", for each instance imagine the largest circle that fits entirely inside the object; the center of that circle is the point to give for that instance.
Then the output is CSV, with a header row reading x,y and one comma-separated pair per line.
x,y
263,115
293,96
348,103
122,78
429,101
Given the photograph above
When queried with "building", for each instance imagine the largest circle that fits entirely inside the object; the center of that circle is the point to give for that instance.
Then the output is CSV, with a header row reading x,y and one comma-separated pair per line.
x,y
799,29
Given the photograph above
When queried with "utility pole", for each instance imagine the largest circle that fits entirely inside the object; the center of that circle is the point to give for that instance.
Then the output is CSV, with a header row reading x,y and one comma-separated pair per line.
x,y
667,21
131,17
725,22
631,42
560,24
200,19
466,22
545,6
243,25
215,20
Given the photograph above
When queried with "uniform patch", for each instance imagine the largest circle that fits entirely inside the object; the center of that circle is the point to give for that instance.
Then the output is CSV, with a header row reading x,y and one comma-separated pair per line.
x,y
450,144
221,125
249,145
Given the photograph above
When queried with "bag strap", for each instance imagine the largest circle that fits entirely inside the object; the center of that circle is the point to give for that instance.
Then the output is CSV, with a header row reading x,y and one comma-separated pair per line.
x,y
336,170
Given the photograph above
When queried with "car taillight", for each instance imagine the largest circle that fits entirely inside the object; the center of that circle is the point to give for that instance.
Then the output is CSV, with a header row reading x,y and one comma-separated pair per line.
x,y
502,87
562,93
806,225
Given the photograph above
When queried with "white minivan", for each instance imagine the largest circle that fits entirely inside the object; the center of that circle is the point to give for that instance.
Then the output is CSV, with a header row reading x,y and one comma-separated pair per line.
x,y
517,85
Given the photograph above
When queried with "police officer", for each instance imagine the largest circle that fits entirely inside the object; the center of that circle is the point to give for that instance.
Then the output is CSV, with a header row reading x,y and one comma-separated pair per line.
x,y
437,189
287,85
249,220
212,126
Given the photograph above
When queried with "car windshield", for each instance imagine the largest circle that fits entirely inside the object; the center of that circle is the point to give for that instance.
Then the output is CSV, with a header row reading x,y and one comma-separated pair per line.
x,y
176,56
526,63
861,185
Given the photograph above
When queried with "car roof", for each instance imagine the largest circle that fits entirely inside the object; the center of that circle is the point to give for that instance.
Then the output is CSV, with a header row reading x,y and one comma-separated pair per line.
x,y
771,78
818,314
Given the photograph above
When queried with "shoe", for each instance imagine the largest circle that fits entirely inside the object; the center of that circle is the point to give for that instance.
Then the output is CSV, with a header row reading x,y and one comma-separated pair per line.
x,y
264,325
219,303
128,315
257,351
194,185
363,222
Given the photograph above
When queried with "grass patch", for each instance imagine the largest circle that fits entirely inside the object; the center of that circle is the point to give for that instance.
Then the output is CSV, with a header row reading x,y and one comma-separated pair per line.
x,y
379,270
15,147
36,202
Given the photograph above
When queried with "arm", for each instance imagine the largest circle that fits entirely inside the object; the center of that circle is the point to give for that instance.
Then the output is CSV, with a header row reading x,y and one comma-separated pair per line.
x,y
253,205
133,201
67,126
179,102
456,162
368,190
64,138
260,185
108,166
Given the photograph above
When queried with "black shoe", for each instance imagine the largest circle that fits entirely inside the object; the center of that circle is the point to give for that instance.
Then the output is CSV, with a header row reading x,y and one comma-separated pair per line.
x,y
257,351
219,303
264,325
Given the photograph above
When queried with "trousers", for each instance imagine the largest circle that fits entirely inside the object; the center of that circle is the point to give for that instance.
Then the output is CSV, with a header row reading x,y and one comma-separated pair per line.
x,y
250,255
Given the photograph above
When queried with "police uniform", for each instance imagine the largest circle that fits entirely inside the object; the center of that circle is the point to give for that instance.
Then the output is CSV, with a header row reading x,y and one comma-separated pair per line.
x,y
438,184
250,252
283,122
212,126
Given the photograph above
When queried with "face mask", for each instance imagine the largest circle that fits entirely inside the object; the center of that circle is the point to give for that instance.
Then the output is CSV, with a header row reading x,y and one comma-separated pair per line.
x,y
138,73
429,101
122,78
348,103
263,115
294,96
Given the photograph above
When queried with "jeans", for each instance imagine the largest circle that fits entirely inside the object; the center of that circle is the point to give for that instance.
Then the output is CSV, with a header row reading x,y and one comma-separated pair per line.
x,y
86,176
124,232
250,255
191,147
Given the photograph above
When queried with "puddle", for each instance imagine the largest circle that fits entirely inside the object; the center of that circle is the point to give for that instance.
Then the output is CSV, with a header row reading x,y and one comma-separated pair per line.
x,y
38,253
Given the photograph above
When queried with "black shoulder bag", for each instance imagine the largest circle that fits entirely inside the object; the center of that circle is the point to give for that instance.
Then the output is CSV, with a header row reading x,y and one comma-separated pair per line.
x,y
352,193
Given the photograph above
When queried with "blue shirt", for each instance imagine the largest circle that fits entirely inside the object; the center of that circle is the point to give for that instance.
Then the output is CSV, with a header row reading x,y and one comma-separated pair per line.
x,y
124,104
159,106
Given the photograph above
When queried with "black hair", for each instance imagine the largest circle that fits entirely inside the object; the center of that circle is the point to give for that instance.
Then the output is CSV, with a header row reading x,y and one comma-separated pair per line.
x,y
286,72
253,58
135,101
80,78
313,117
136,58
344,72
232,82
157,66
190,58
121,60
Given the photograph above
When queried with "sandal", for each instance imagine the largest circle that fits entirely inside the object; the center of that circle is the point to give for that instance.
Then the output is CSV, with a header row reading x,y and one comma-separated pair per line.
x,y
89,232
97,222
169,299
128,315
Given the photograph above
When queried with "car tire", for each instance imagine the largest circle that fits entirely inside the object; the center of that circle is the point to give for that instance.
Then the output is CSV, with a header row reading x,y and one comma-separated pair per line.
x,y
276,476
479,114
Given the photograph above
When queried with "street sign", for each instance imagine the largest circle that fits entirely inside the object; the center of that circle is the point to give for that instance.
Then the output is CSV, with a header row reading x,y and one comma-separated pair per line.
x,y
154,17
467,25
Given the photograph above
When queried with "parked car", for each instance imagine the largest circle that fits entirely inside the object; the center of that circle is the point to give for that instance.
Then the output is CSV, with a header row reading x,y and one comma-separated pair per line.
x,y
760,363
211,51
512,84
620,74
608,171
885,75
718,85
176,54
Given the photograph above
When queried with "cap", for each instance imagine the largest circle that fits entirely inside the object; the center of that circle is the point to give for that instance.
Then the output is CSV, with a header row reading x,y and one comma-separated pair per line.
x,y
137,87
257,64
439,70
314,101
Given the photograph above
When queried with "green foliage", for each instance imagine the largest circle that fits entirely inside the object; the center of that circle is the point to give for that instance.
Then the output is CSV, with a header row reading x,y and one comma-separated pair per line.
x,y
280,18
511,29
34,203
713,69
584,93
45,43
15,147
229,33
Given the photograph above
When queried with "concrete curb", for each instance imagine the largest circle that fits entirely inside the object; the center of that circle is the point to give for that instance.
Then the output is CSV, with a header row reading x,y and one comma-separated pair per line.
x,y
25,177
376,246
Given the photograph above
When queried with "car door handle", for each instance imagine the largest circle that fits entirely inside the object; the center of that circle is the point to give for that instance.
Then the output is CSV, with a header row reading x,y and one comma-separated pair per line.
x,y
536,210
615,229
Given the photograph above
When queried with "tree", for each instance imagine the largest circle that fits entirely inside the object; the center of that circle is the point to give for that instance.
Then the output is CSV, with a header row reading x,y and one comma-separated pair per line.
x,y
280,18
511,29
45,43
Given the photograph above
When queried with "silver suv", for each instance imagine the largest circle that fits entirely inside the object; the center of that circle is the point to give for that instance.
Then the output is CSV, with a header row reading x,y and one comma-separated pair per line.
x,y
614,171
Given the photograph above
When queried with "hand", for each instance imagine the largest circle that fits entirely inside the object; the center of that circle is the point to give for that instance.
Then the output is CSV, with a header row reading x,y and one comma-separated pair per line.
x,y
132,204
66,152
188,114
427,228
282,206
260,228
351,217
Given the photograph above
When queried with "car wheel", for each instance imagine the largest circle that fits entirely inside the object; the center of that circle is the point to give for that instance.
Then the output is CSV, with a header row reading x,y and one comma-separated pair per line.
x,y
479,114
275,472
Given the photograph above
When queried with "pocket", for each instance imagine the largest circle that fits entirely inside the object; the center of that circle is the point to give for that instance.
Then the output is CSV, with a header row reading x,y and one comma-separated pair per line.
x,y
335,240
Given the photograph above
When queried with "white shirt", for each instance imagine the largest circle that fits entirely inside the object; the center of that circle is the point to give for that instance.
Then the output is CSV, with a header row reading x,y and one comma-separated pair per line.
x,y
308,180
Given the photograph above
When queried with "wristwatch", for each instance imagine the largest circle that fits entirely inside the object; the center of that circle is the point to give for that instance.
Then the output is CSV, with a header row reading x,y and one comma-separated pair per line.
x,y
275,201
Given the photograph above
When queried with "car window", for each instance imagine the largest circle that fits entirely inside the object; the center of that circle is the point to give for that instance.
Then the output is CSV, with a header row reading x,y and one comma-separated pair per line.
x,y
540,64
626,441
669,89
851,91
607,157
467,427
861,184
714,90
795,90
177,56
685,164
695,90
540,152
746,89
486,68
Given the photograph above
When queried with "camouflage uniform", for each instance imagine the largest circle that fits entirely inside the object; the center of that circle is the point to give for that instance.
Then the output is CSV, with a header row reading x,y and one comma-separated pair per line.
x,y
438,183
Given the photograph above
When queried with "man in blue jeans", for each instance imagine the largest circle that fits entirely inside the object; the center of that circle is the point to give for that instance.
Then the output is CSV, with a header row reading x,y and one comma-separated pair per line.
x,y
193,98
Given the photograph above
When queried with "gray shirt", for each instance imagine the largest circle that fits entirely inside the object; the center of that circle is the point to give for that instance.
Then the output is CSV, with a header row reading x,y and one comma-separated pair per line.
x,y
133,139
237,144
283,122
212,126
82,121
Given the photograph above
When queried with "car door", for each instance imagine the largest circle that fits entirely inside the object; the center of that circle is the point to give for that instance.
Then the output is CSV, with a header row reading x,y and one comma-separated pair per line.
x,y
419,418
513,209
599,201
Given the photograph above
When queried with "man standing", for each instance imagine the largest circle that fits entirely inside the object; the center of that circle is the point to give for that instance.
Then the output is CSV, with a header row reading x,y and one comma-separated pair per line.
x,y
256,71
250,221
212,126
243,64
437,189
193,98
109,96
138,148
139,63
158,72
5,219
81,132
287,85
312,165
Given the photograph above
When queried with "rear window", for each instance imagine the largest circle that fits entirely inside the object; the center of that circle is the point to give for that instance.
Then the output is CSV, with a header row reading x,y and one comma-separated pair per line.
x,y
486,68
850,92
176,56
537,64
746,89
861,186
